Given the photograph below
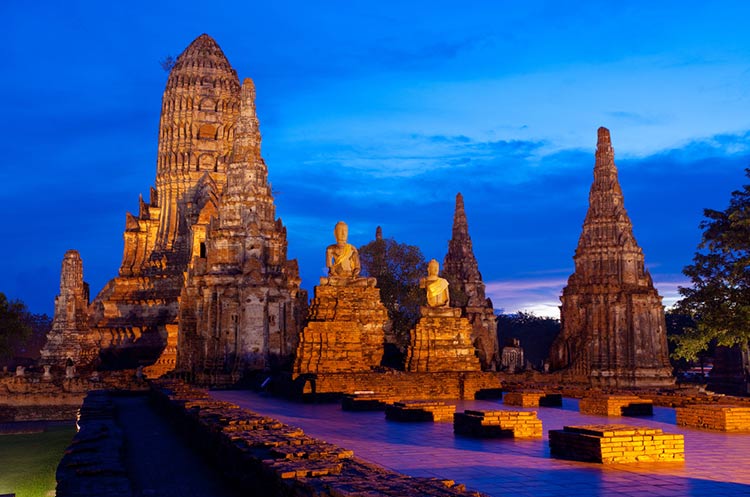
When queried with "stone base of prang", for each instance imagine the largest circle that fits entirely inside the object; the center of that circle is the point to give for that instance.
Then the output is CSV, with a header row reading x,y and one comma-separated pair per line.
x,y
401,385
498,424
345,331
717,417
420,410
532,398
615,444
441,341
616,405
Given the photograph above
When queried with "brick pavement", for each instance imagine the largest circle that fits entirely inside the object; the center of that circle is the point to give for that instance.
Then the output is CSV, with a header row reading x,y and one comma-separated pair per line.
x,y
716,463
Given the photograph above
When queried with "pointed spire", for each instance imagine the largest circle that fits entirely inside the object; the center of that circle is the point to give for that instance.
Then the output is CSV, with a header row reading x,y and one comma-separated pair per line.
x,y
378,233
460,225
607,224
246,145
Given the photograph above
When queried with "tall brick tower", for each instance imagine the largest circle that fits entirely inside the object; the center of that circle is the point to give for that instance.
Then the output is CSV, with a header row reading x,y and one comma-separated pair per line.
x,y
613,329
199,107
460,268
241,307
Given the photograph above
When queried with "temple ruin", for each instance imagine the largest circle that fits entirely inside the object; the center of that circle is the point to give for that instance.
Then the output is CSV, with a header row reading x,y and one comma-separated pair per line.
x,y
613,329
197,262
70,337
460,268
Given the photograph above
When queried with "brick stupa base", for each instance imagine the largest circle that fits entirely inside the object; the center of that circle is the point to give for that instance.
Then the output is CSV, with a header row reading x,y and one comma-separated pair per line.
x,y
441,341
614,444
344,333
532,398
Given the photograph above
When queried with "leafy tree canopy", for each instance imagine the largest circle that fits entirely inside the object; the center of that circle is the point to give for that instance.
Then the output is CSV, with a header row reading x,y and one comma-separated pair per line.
x,y
398,268
719,298
13,325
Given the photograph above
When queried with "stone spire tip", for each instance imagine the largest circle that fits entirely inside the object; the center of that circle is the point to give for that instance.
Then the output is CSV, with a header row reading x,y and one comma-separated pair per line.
x,y
603,137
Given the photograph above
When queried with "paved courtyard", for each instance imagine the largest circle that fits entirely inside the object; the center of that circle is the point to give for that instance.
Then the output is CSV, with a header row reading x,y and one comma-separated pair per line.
x,y
717,464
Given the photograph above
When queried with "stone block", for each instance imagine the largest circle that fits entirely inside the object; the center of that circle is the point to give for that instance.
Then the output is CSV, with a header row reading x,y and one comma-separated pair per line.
x,y
729,418
498,424
616,405
420,411
615,444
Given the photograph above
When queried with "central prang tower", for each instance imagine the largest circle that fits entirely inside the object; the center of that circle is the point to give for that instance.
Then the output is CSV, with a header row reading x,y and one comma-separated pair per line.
x,y
613,328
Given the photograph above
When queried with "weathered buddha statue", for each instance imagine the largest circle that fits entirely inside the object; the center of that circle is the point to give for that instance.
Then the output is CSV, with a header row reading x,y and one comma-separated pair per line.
x,y
342,261
438,295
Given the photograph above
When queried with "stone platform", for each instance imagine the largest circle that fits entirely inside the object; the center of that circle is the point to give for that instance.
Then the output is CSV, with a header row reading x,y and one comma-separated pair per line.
x,y
497,424
715,417
400,384
532,398
614,444
616,405
420,410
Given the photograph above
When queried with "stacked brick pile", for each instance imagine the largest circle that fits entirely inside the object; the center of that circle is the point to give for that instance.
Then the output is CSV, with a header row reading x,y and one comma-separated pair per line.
x,y
497,424
616,405
715,417
441,343
614,444
420,410
267,457
532,398
93,464
366,401
344,333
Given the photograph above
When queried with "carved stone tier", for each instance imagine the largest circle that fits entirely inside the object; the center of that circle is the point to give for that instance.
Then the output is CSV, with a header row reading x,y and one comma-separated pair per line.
x,y
441,341
344,331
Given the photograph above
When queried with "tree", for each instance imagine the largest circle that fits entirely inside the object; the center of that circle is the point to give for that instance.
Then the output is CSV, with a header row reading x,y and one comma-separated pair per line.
x,y
398,268
719,298
13,328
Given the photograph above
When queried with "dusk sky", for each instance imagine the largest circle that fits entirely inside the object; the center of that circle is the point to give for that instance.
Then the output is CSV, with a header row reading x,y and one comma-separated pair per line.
x,y
377,113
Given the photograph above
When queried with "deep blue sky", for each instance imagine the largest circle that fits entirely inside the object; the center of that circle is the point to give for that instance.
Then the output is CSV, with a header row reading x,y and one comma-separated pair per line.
x,y
377,113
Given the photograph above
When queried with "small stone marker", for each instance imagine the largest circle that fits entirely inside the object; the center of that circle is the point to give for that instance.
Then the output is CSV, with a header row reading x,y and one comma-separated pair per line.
x,y
616,405
715,417
497,424
419,410
614,444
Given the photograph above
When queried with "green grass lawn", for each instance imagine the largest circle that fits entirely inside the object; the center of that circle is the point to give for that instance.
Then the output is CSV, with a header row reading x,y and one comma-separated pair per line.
x,y
28,462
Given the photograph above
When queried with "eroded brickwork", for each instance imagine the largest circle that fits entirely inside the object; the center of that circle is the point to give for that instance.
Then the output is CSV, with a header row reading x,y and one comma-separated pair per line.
x,y
441,343
70,336
467,289
613,328
344,332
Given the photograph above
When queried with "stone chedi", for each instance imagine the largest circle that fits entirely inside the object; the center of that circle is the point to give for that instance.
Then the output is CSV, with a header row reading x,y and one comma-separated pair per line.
x,y
613,330
346,320
241,307
441,340
461,269
70,336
